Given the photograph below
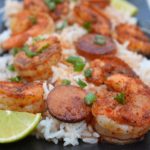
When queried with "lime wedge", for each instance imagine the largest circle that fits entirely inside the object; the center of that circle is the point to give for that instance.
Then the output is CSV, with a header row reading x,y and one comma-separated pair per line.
x,y
124,6
16,125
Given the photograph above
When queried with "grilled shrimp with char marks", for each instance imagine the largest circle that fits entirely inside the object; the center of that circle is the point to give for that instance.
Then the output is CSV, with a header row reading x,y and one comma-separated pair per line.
x,y
122,119
106,66
38,67
89,13
99,3
138,41
27,24
61,10
22,97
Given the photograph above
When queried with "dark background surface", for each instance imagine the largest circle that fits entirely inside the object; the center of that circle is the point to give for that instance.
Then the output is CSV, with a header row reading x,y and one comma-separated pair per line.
x,y
31,143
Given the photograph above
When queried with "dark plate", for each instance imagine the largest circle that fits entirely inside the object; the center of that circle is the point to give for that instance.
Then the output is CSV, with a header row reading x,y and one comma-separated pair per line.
x,y
31,143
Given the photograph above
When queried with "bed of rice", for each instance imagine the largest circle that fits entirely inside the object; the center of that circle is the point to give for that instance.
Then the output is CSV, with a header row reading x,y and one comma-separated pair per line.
x,y
50,128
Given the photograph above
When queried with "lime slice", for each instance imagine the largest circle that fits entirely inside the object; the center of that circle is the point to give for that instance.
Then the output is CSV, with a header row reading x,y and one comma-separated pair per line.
x,y
124,6
16,125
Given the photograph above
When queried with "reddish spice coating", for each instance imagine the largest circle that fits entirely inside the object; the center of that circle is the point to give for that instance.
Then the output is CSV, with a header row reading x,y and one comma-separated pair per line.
x,y
138,41
66,103
22,97
136,109
106,66
90,12
38,67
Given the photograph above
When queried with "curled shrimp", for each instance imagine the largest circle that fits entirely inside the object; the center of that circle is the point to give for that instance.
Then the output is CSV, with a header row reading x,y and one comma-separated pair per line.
x,y
22,97
86,12
138,41
47,53
59,12
123,121
107,65
99,3
27,24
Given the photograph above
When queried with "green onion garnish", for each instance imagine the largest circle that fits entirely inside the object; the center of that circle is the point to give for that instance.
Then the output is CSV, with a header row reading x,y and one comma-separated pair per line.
x,y
15,79
81,83
77,62
100,40
38,38
61,25
52,3
66,82
14,51
88,26
88,73
90,98
58,1
79,66
33,19
28,52
44,47
11,67
120,98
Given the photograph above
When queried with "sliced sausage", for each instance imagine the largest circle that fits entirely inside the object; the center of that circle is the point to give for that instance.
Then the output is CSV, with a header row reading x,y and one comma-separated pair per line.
x,y
87,47
66,103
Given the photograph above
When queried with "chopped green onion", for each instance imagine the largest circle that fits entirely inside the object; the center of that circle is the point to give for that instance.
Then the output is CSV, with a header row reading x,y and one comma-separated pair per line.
x,y
90,98
15,79
11,67
77,62
100,40
81,83
44,47
51,6
66,82
28,52
38,38
52,3
58,1
14,51
79,66
33,19
120,98
73,59
61,25
88,73
88,26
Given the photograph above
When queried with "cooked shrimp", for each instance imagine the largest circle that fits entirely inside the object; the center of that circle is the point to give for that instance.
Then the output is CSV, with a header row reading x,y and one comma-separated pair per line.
x,y
87,12
138,41
47,53
21,97
106,66
27,24
127,121
59,12
98,3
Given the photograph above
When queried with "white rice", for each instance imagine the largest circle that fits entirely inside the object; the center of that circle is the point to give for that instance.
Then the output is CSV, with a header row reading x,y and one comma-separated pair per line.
x,y
118,17
137,62
54,130
5,74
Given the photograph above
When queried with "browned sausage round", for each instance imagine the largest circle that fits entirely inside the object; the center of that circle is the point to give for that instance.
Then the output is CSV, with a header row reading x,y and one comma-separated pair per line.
x,y
66,103
87,47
